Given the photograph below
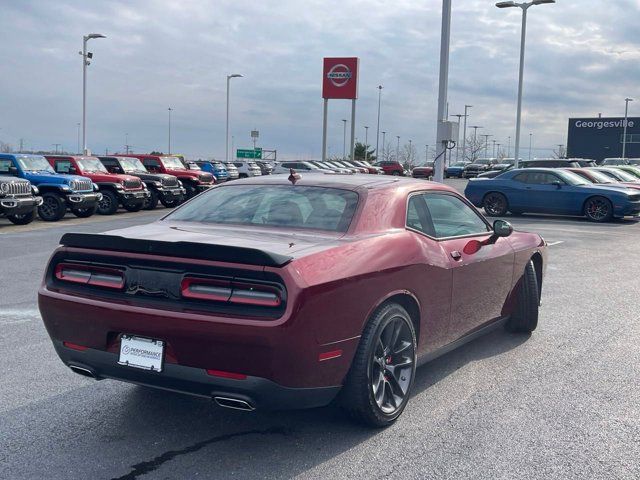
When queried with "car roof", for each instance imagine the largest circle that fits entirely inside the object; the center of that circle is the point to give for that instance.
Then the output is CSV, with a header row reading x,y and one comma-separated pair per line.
x,y
350,182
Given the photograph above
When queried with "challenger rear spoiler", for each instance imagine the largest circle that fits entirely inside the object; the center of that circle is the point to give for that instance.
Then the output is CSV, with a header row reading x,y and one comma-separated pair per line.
x,y
201,251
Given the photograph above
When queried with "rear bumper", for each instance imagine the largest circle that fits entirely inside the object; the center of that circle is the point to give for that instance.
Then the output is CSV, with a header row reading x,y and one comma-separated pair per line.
x,y
257,392
19,205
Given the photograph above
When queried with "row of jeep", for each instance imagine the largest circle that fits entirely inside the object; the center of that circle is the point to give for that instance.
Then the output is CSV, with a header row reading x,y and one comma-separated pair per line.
x,y
52,185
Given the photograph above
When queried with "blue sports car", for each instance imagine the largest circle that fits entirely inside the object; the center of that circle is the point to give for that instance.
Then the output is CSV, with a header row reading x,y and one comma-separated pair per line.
x,y
549,190
455,170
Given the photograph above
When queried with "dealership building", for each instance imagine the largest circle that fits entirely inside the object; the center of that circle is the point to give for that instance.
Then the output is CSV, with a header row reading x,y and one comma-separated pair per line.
x,y
600,138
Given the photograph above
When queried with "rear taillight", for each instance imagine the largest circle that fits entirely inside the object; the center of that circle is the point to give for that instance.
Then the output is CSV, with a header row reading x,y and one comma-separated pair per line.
x,y
241,293
90,275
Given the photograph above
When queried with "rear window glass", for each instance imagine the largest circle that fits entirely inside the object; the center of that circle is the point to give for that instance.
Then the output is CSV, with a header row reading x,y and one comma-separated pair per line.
x,y
287,206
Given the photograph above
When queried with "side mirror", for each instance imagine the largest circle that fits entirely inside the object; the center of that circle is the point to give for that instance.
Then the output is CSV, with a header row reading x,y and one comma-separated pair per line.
x,y
557,184
502,228
13,170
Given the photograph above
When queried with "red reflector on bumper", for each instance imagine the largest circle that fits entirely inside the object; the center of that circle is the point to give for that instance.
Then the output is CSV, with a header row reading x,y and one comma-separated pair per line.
x,y
75,346
329,355
231,375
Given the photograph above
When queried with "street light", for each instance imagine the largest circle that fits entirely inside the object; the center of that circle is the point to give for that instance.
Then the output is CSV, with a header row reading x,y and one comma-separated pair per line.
x,y
226,138
398,149
86,56
384,136
344,140
494,148
486,145
524,7
458,139
170,110
78,149
509,147
475,141
530,144
624,135
366,144
464,134
378,128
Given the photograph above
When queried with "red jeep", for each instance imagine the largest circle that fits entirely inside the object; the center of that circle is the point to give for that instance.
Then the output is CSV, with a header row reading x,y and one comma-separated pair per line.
x,y
391,168
193,181
116,189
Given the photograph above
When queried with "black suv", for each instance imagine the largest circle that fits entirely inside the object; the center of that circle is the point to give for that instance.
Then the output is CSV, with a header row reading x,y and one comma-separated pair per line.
x,y
18,200
163,187
479,166
550,163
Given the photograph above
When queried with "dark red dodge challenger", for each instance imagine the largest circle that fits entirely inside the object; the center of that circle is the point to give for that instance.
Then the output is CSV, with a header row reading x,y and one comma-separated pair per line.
x,y
281,292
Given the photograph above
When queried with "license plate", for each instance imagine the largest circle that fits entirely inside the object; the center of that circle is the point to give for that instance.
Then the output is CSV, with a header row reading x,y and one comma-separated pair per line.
x,y
140,352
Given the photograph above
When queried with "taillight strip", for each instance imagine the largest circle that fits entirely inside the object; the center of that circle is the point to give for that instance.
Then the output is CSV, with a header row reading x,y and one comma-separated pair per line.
x,y
229,291
90,275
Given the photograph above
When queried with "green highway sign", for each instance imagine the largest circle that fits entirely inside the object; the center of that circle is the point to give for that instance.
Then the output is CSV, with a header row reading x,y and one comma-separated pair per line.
x,y
256,153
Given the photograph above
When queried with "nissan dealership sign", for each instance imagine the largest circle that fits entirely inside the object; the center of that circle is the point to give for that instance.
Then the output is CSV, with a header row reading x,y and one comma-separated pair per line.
x,y
340,78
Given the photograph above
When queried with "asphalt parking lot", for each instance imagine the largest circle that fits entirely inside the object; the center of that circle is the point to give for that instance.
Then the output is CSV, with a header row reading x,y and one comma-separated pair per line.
x,y
563,403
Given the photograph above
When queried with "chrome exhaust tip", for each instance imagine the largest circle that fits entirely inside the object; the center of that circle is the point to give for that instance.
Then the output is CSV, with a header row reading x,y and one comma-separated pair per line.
x,y
85,372
234,403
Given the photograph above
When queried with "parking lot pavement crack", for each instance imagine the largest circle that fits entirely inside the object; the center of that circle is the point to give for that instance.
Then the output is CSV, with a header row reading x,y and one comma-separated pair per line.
x,y
146,467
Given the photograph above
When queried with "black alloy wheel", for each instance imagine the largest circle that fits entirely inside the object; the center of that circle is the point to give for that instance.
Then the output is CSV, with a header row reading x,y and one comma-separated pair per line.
x,y
108,204
174,202
598,209
379,381
53,207
134,206
495,204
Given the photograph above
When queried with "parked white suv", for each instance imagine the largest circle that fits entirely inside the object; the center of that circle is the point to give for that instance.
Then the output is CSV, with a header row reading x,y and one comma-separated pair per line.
x,y
298,166
247,168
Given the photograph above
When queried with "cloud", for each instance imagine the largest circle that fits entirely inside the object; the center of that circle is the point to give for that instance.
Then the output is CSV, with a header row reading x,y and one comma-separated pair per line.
x,y
581,59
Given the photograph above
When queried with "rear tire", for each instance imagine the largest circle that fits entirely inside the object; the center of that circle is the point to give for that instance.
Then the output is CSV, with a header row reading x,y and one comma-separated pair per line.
x,y
23,219
525,317
53,207
495,204
191,190
108,204
598,209
151,202
378,385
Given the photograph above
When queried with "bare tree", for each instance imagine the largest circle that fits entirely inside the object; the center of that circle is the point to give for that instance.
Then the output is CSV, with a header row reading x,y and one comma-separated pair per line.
x,y
6,147
474,149
408,156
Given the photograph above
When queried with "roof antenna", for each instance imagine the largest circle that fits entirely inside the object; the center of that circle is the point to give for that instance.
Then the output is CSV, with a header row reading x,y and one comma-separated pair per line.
x,y
294,177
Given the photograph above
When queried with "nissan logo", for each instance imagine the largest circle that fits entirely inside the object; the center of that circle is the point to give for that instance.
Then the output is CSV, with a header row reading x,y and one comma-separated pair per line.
x,y
339,75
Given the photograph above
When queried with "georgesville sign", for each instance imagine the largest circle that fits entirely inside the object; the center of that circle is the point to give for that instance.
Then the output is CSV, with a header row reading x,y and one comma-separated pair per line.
x,y
340,78
599,138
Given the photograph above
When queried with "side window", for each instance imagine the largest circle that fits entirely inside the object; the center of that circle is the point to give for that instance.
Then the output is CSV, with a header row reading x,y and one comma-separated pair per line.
x,y
418,217
238,164
543,178
63,166
522,177
152,164
4,165
452,217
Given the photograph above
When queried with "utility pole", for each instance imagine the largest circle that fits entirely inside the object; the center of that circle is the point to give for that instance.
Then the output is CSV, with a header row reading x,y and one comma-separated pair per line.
x,y
86,56
384,136
560,153
486,145
509,148
458,139
530,144
626,120
378,128
21,144
366,143
398,149
344,140
443,89
78,150
56,145
494,148
169,110
464,131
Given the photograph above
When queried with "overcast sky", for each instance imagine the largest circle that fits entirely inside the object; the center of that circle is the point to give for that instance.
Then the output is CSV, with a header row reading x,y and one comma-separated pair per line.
x,y
583,57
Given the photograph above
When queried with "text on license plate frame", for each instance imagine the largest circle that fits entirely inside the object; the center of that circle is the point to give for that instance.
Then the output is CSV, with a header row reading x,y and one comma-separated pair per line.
x,y
141,352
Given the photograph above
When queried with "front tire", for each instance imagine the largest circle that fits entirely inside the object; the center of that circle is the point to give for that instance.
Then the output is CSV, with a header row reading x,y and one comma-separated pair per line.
x,y
134,207
174,202
598,209
23,219
53,207
108,204
525,317
495,204
191,190
379,381
151,202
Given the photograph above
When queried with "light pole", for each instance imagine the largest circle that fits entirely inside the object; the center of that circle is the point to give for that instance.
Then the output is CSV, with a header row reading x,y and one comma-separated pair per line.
x,y
426,154
56,145
170,110
509,148
626,119
499,145
458,139
384,136
560,154
78,149
226,137
524,7
366,143
86,56
530,144
410,155
378,128
344,140
475,141
398,149
464,131
486,145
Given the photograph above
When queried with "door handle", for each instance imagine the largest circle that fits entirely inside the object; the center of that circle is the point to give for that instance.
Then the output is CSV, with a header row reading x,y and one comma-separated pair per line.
x,y
456,255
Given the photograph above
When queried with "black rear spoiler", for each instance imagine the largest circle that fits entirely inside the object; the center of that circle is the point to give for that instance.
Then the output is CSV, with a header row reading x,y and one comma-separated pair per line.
x,y
201,251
